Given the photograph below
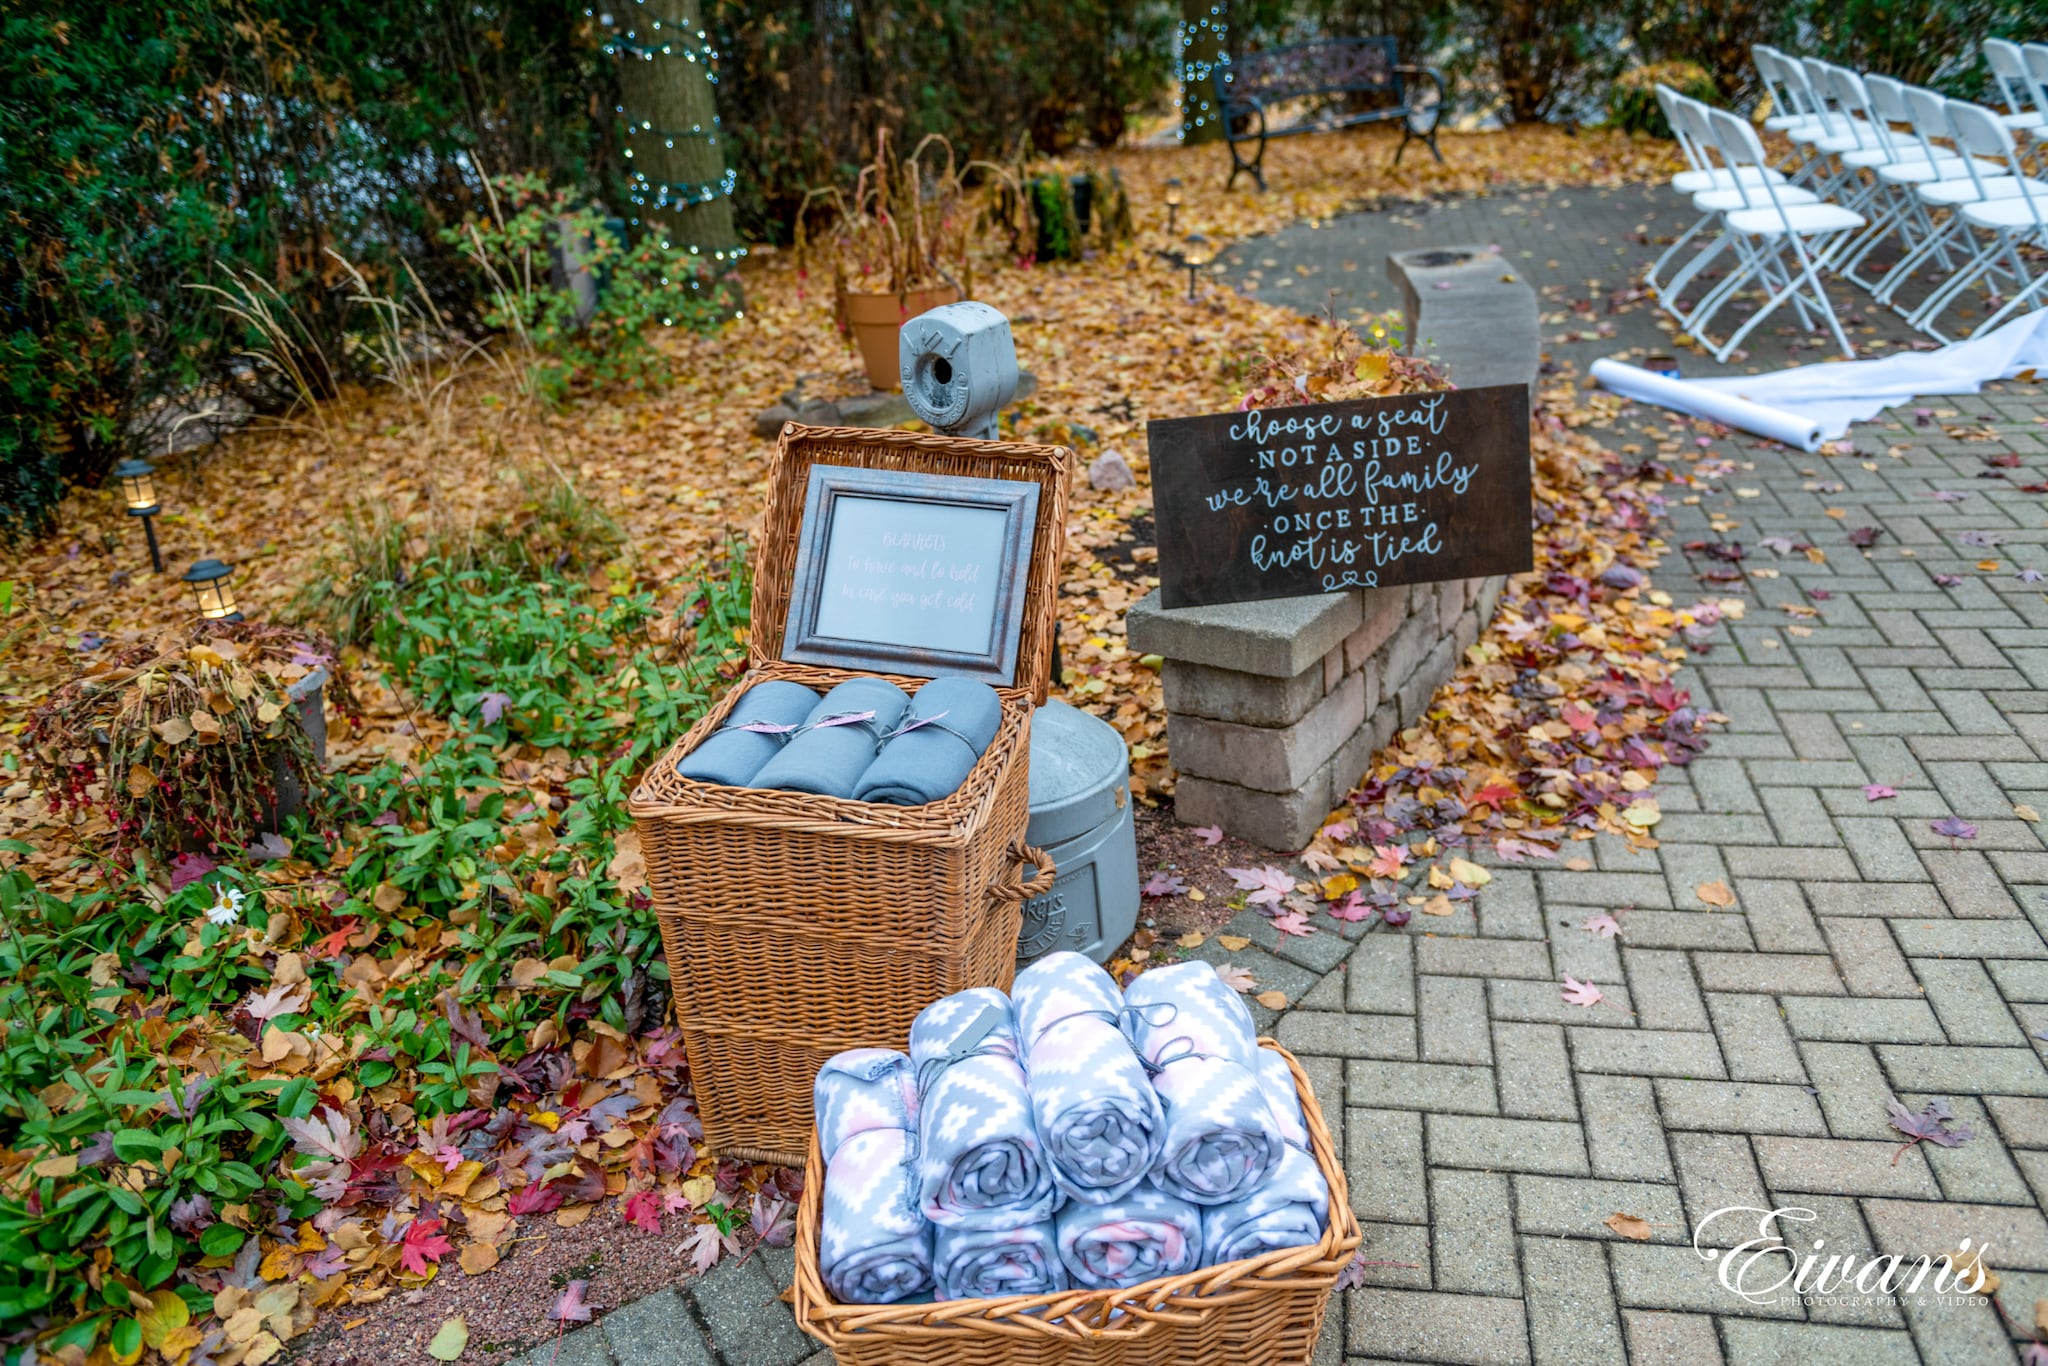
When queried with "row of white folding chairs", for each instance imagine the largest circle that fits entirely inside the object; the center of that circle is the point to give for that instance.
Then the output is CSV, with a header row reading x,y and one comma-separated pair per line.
x,y
1888,184
1778,233
1844,121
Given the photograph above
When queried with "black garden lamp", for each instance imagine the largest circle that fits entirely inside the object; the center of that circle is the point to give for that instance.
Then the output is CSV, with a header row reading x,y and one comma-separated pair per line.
x,y
1172,202
209,580
1194,258
138,488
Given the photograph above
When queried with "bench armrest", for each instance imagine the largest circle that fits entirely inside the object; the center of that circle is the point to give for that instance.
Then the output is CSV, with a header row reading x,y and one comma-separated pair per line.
x,y
1435,78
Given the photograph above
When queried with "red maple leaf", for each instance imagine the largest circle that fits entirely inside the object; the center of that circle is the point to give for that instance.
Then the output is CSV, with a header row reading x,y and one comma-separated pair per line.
x,y
1494,794
328,945
423,1244
643,1210
534,1199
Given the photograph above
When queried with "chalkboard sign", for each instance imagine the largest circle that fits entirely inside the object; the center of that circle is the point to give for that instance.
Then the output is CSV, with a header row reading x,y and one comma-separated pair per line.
x,y
917,574
1283,502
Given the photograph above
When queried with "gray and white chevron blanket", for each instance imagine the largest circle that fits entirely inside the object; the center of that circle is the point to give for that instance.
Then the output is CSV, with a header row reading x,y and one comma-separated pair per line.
x,y
1139,1236
1098,1116
1292,1207
1222,1140
976,1263
874,1246
980,1163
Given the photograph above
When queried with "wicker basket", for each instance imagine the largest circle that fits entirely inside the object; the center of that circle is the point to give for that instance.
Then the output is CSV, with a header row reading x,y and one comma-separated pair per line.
x,y
796,925
1261,1311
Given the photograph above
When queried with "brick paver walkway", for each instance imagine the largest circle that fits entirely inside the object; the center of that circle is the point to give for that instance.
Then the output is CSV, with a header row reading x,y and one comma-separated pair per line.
x,y
1490,1129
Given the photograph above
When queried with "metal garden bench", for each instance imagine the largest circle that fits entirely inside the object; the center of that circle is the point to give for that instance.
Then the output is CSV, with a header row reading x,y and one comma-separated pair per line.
x,y
1330,71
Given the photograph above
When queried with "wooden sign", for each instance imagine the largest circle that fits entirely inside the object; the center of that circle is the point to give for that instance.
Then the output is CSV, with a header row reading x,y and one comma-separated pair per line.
x,y
1284,502
906,573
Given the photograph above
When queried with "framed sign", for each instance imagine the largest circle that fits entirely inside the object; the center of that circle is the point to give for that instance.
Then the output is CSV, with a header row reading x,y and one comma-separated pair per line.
x,y
1284,502
918,574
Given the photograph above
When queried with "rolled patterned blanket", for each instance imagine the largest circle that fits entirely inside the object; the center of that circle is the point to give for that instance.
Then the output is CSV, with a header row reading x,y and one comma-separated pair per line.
x,y
980,1163
1140,1236
949,724
874,1246
1098,1116
755,730
1292,1207
976,1263
1221,1139
838,739
1289,1210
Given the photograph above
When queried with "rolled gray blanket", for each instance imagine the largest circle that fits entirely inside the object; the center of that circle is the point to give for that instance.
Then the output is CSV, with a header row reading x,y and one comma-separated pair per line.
x,y
1221,1139
1140,1236
755,730
983,1263
950,722
838,739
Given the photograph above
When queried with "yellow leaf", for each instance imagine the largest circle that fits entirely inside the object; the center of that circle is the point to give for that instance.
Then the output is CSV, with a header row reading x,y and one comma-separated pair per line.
x,y
527,971
1272,1000
571,1215
2026,813
1715,894
1971,1276
1337,884
1197,894
175,731
1988,566
277,1263
477,1258
1232,943
140,781
1439,905
262,1348
456,1183
59,1167
268,712
1440,879
245,1325
1470,873
546,1119
450,1340
1642,815
1193,939
167,1314
1372,366
698,1190
425,1167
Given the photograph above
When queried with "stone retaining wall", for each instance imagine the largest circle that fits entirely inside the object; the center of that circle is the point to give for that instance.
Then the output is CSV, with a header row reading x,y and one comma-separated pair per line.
x,y
1290,699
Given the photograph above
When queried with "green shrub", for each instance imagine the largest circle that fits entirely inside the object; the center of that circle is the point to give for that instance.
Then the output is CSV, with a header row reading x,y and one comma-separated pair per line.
x,y
650,283
1632,99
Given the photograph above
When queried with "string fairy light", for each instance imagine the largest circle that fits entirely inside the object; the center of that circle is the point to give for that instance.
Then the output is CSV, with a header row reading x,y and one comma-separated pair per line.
x,y
1211,32
667,38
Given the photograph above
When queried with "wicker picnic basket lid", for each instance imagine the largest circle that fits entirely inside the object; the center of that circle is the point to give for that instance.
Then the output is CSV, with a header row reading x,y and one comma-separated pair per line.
x,y
800,447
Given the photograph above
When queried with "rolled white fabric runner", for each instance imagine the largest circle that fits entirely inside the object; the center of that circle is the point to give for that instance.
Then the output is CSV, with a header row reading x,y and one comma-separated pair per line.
x,y
1793,429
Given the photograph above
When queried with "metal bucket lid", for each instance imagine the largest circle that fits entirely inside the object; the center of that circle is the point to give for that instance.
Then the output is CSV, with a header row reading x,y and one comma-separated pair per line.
x,y
1079,766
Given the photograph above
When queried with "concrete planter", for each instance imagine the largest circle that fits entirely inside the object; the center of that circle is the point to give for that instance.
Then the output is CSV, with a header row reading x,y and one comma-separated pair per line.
x,y
875,319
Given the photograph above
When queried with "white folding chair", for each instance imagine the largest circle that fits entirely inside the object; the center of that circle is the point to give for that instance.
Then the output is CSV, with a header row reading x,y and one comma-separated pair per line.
x,y
2018,219
1793,113
1702,176
1779,245
2026,107
1909,160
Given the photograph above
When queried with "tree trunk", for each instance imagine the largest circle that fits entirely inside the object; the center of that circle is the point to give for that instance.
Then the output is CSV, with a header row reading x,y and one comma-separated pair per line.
x,y
675,148
1205,44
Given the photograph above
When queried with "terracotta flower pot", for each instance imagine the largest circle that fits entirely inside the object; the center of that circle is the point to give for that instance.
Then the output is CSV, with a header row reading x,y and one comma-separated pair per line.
x,y
874,320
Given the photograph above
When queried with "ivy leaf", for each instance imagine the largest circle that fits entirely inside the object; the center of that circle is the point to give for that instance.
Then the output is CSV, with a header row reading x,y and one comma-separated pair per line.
x,y
1954,828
